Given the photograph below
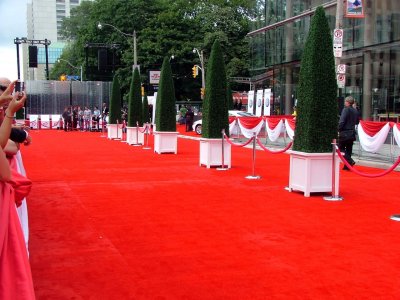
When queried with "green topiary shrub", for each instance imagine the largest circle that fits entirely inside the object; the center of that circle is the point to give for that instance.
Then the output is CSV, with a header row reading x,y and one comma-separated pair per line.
x,y
317,107
215,106
165,103
146,117
229,97
115,102
135,110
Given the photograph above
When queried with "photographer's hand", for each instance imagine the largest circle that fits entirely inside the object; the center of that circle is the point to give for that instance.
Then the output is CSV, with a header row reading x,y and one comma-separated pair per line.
x,y
17,102
6,96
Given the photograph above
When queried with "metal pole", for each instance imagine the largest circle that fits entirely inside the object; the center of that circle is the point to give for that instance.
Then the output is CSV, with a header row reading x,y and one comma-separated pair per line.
x,y
333,197
134,49
117,138
47,59
18,66
223,152
253,176
137,135
146,147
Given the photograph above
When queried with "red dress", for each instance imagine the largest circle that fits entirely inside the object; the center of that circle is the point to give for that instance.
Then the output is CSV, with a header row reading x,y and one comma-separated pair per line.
x,y
15,272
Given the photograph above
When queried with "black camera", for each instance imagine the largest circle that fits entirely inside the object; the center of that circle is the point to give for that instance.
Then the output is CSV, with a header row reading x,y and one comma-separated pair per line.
x,y
19,86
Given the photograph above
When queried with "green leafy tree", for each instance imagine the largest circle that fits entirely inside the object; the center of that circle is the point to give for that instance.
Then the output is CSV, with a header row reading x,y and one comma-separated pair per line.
x,y
115,102
135,109
146,117
165,27
165,103
317,108
215,107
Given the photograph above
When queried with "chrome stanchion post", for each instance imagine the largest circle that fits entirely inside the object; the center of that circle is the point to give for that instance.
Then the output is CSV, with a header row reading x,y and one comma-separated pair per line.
x,y
137,135
102,127
253,176
117,138
223,152
146,136
334,196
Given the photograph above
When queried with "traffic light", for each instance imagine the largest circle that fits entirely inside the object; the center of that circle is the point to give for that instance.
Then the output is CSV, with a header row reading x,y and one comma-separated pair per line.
x,y
63,77
194,71
202,92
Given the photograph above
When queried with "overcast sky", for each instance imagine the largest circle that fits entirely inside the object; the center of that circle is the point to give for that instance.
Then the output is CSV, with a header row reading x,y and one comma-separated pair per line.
x,y
12,25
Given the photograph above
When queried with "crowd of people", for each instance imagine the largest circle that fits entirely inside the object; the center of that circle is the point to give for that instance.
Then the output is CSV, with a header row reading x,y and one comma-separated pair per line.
x,y
84,119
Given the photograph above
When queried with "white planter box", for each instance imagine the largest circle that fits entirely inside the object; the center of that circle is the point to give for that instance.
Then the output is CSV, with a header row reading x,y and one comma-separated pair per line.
x,y
211,153
312,172
114,131
165,142
134,135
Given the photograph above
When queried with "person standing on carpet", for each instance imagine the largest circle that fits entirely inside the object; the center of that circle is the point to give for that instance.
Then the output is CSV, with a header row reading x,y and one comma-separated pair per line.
x,y
349,118
16,277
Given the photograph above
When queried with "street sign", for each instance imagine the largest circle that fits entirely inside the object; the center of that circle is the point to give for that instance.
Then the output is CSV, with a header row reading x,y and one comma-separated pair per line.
x,y
338,36
341,80
337,50
341,69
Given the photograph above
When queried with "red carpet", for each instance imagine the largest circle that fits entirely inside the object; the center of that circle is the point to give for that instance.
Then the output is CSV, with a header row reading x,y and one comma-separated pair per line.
x,y
112,221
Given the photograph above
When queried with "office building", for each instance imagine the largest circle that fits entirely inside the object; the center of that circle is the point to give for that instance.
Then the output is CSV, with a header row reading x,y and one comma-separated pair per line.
x,y
44,20
370,52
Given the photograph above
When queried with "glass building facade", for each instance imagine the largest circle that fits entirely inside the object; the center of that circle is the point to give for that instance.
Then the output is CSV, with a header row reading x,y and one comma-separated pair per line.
x,y
371,53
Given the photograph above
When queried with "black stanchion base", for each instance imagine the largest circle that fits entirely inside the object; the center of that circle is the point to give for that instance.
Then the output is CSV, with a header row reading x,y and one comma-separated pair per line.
x,y
395,217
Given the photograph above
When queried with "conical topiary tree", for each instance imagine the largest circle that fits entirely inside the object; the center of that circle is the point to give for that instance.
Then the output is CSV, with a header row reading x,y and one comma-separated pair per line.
x,y
165,103
229,97
146,117
215,107
135,110
115,102
317,107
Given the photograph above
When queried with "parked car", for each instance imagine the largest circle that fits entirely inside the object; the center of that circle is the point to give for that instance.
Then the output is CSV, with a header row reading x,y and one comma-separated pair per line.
x,y
232,113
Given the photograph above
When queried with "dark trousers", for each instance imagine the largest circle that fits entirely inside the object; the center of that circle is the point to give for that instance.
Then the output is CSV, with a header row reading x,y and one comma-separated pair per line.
x,y
347,149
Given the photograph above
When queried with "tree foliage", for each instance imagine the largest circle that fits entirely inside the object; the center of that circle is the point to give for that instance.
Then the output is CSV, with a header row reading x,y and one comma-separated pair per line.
x,y
135,109
215,106
115,102
165,103
164,28
317,91
146,116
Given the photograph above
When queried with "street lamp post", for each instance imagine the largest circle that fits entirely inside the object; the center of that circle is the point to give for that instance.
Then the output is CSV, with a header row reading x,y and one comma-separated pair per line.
x,y
203,70
133,35
79,68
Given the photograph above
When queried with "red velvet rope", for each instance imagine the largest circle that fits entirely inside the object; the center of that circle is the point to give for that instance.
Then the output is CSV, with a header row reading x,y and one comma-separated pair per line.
x,y
365,174
144,129
274,152
235,144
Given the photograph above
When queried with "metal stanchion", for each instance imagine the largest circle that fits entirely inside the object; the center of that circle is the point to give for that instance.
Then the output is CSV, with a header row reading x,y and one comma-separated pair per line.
x,y
253,176
334,197
146,136
137,135
102,128
223,152
117,138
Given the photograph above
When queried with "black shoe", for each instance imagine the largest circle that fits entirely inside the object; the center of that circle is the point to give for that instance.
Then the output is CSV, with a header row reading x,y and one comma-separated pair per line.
x,y
353,163
345,168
